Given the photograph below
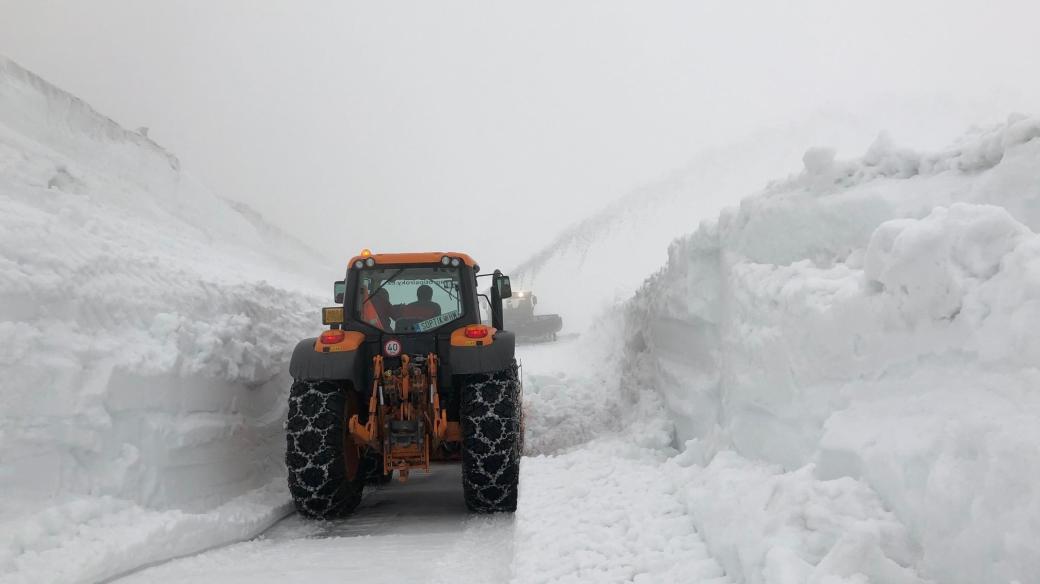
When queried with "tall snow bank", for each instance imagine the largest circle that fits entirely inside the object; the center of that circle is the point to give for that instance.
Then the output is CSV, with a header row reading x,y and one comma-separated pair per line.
x,y
145,326
609,255
876,319
613,251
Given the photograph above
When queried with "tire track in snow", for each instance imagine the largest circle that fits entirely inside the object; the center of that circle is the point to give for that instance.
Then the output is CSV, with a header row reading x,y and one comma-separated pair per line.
x,y
416,532
606,512
600,513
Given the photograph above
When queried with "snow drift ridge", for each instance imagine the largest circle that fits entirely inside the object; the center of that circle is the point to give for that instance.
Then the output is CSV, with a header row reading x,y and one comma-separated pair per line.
x,y
66,123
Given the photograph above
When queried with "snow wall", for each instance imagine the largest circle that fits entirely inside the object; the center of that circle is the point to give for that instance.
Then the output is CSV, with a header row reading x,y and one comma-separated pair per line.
x,y
597,264
145,326
615,249
874,320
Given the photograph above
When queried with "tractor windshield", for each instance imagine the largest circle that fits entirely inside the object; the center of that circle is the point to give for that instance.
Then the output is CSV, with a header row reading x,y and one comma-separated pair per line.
x,y
398,299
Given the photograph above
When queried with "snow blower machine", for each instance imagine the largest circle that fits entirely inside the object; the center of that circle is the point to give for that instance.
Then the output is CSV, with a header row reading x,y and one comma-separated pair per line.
x,y
406,374
520,318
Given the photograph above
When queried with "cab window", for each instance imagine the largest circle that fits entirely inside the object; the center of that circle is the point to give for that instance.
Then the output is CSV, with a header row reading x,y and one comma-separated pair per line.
x,y
406,299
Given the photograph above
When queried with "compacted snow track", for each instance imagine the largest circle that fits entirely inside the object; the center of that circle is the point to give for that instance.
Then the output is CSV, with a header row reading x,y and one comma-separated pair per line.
x,y
582,518
412,532
600,511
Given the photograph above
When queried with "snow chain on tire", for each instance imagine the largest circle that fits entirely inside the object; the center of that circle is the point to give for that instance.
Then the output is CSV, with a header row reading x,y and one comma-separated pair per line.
x,y
315,451
492,440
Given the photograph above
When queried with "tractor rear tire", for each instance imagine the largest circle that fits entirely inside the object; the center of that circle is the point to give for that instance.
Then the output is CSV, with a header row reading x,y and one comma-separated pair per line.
x,y
324,464
492,440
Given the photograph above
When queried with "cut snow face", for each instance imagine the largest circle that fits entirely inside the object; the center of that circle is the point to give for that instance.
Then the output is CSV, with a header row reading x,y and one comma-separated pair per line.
x,y
597,264
875,318
593,267
145,326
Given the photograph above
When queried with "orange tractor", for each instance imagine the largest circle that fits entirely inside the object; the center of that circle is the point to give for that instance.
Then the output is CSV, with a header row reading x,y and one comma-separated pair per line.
x,y
406,374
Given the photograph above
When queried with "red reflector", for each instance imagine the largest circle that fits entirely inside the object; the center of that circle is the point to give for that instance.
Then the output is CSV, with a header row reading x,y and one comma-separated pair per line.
x,y
477,331
332,337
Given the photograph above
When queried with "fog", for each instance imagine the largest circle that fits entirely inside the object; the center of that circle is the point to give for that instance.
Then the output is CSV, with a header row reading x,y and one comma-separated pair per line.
x,y
489,126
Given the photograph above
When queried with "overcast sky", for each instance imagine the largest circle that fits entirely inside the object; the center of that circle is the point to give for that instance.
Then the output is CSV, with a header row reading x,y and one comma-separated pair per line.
x,y
401,125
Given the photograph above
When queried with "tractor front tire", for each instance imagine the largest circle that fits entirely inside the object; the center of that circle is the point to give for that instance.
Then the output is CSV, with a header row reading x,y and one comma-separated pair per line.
x,y
324,464
492,440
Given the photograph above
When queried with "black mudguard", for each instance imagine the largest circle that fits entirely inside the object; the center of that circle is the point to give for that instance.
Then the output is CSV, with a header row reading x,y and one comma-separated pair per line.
x,y
308,364
486,359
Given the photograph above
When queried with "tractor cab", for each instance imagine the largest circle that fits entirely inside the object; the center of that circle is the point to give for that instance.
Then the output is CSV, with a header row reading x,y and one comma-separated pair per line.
x,y
410,299
521,305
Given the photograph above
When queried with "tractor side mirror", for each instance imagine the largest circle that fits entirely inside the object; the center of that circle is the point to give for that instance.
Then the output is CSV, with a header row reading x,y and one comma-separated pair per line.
x,y
339,291
505,290
500,290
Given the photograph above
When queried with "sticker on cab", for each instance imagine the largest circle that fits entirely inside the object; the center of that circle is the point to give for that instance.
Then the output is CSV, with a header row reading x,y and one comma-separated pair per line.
x,y
392,348
432,323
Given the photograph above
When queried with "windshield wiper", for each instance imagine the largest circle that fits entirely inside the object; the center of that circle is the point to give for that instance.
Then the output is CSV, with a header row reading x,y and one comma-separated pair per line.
x,y
385,282
448,292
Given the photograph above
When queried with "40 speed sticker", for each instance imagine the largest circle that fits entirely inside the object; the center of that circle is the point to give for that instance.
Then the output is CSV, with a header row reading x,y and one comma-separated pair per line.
x,y
392,348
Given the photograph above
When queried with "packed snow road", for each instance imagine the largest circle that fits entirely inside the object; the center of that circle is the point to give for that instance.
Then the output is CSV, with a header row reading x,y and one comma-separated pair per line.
x,y
414,532
604,511
582,518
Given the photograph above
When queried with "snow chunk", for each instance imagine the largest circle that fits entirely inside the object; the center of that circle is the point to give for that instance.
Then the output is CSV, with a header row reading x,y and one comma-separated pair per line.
x,y
819,161
931,264
767,526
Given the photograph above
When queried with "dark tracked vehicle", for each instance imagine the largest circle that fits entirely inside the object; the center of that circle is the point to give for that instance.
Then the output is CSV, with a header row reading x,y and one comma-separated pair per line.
x,y
519,316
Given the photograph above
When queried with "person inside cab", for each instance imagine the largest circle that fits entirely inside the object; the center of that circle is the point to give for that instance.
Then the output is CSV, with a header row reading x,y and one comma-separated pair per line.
x,y
424,307
378,310
381,313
